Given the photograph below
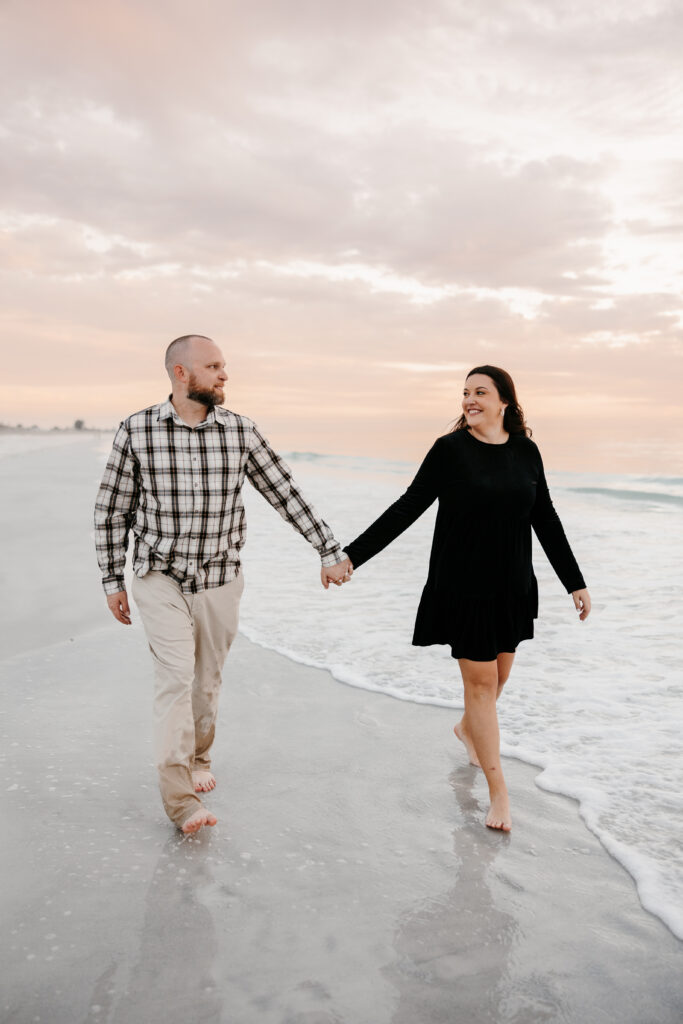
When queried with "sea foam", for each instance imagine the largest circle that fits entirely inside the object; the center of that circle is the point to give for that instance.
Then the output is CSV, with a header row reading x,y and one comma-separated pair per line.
x,y
596,705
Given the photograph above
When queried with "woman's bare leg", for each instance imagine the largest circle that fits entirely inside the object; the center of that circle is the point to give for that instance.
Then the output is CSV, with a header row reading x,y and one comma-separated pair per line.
x,y
504,662
462,730
480,679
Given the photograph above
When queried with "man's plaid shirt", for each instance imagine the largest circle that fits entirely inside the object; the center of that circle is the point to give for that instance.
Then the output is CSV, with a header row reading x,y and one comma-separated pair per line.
x,y
178,489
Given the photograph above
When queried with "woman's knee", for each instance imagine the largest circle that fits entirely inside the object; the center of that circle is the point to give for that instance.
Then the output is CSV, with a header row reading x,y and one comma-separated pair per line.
x,y
480,678
480,685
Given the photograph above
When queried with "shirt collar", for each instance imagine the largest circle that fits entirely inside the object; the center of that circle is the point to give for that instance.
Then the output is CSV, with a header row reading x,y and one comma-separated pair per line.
x,y
167,411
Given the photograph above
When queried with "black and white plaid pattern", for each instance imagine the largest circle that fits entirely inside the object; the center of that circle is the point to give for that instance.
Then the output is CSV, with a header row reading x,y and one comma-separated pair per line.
x,y
179,490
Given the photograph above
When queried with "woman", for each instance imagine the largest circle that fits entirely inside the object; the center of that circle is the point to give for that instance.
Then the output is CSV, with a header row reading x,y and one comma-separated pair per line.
x,y
481,596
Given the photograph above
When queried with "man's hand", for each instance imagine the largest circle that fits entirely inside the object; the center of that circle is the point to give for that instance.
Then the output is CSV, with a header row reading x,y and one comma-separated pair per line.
x,y
118,606
337,574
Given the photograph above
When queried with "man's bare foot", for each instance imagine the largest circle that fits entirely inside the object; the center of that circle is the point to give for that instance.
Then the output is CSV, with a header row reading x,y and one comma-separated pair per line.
x,y
499,813
203,781
464,737
198,820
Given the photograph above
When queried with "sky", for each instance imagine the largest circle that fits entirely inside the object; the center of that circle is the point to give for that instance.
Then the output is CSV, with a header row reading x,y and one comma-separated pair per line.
x,y
359,203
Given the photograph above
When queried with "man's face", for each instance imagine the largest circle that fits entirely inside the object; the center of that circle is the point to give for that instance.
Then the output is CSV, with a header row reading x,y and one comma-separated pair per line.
x,y
207,374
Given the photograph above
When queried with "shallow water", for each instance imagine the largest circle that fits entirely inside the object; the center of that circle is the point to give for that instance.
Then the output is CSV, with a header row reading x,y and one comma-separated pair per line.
x,y
598,704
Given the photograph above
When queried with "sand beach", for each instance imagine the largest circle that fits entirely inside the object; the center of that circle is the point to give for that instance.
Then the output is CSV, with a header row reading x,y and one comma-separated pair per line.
x,y
349,880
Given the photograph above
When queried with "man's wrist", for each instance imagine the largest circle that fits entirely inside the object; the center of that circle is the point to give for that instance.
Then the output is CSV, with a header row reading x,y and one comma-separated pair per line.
x,y
332,557
114,585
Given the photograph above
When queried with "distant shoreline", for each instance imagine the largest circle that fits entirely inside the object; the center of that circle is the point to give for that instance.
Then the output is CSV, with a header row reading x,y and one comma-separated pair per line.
x,y
5,429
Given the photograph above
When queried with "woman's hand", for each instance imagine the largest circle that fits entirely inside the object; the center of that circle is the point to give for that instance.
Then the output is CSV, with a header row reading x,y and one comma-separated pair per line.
x,y
582,603
337,574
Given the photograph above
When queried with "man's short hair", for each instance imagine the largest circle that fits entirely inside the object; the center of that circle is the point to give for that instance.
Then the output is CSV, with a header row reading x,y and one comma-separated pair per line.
x,y
177,351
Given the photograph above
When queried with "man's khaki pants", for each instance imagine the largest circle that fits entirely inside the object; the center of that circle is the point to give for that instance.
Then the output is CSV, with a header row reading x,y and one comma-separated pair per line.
x,y
189,636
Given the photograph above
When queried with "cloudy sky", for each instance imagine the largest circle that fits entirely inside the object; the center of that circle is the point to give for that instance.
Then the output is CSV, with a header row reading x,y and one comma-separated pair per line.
x,y
359,202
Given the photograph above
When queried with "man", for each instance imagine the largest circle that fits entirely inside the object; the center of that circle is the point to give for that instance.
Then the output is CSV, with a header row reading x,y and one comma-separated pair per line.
x,y
174,477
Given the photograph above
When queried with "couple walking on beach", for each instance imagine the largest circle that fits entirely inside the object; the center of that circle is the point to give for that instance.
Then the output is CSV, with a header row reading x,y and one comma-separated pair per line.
x,y
174,478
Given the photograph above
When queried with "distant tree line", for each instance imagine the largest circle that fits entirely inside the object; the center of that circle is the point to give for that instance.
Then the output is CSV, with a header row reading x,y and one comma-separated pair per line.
x,y
78,425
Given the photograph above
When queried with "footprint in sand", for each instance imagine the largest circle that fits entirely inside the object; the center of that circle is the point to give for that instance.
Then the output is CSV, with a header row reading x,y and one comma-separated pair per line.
x,y
367,721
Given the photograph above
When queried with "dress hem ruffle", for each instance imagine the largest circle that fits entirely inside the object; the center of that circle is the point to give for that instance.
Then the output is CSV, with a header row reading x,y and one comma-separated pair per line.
x,y
477,628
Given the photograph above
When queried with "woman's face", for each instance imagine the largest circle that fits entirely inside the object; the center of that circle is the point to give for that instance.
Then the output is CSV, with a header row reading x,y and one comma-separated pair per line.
x,y
481,403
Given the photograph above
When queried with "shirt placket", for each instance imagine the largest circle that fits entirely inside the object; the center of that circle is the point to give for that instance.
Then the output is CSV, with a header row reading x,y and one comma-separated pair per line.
x,y
193,552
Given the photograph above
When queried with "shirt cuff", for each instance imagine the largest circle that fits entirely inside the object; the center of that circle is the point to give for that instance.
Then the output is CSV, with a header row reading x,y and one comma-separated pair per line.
x,y
113,585
332,557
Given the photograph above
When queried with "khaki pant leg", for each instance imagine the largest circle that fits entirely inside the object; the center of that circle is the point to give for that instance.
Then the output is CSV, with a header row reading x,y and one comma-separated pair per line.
x,y
216,615
167,618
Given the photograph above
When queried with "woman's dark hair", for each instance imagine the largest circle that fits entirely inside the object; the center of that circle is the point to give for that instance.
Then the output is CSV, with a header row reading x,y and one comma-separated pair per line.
x,y
513,420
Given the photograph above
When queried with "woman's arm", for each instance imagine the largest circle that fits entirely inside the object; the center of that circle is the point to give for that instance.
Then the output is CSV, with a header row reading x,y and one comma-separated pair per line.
x,y
548,529
421,493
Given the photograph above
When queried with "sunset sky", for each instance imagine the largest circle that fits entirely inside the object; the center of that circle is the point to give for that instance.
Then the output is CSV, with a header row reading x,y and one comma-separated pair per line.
x,y
358,202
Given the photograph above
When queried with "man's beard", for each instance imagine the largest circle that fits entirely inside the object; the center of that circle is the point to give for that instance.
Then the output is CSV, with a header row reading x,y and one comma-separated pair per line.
x,y
204,396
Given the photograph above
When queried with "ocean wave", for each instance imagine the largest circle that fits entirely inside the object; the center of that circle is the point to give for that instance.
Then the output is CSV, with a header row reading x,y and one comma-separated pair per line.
x,y
626,494
594,705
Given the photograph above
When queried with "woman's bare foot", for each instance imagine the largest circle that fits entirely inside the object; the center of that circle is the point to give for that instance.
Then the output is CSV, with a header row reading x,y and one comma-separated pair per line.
x,y
499,813
197,820
203,781
464,737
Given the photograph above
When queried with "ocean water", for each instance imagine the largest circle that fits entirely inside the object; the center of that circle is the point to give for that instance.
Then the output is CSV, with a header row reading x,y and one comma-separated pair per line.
x,y
597,705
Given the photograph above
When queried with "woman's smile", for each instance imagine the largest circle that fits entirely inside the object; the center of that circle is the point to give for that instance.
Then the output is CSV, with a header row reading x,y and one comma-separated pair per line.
x,y
482,405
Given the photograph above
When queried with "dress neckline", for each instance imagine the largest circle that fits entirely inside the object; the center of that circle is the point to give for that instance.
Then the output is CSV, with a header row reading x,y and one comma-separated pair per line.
x,y
488,444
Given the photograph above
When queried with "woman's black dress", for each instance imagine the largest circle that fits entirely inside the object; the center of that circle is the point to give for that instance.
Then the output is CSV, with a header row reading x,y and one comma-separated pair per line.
x,y
481,595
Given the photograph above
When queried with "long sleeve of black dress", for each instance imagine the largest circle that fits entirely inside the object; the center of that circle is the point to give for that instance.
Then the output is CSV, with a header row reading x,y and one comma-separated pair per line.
x,y
481,594
422,492
549,530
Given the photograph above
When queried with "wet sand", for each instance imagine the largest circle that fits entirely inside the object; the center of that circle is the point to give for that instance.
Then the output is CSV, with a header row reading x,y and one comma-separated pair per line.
x,y
349,879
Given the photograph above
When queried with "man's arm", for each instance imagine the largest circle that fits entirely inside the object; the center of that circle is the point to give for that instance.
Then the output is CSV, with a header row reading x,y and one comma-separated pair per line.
x,y
115,507
272,477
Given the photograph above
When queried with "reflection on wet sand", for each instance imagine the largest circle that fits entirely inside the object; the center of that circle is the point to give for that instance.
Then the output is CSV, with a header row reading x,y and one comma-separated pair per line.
x,y
172,973
452,952
520,937
350,879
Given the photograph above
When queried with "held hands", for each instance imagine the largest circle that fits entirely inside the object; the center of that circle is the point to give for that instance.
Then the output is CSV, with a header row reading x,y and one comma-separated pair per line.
x,y
337,574
119,607
582,603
